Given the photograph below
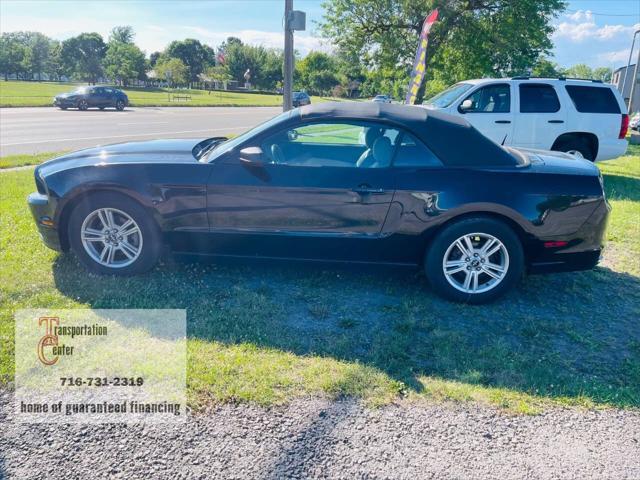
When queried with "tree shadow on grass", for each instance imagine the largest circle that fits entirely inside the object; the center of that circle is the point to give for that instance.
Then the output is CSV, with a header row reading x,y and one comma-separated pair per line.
x,y
619,187
569,335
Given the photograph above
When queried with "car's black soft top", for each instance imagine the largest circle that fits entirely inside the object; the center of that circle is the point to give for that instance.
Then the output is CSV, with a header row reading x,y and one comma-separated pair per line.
x,y
451,138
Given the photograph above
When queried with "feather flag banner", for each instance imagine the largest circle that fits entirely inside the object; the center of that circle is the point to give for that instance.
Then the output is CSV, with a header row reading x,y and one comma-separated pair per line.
x,y
419,64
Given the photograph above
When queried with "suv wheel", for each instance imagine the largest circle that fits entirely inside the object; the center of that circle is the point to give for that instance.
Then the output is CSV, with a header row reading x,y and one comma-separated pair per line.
x,y
120,105
576,146
475,260
83,105
112,234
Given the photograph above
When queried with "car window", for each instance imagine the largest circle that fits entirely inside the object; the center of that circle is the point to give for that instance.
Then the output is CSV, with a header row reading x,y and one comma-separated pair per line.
x,y
448,96
348,144
538,98
593,99
490,99
411,152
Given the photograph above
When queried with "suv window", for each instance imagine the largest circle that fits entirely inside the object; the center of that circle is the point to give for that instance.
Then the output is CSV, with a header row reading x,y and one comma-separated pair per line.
x,y
333,144
538,98
411,152
490,99
593,99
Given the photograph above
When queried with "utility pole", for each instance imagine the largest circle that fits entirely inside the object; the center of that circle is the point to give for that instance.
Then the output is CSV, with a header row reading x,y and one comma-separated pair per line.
x,y
634,78
288,56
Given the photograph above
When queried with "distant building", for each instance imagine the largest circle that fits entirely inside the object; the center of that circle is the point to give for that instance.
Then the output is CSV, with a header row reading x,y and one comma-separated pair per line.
x,y
618,80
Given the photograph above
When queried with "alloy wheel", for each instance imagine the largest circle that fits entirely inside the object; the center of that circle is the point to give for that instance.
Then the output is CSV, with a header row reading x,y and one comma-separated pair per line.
x,y
475,263
575,153
111,237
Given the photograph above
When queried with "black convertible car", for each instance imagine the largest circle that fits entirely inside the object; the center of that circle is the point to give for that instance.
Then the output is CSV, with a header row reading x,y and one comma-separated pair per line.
x,y
84,98
353,182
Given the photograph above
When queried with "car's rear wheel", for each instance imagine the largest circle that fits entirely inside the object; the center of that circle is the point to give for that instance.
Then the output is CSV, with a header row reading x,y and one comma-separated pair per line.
x,y
577,147
112,234
475,260
83,105
120,105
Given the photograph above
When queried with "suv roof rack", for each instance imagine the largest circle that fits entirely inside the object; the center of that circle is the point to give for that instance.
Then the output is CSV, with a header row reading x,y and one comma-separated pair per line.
x,y
529,77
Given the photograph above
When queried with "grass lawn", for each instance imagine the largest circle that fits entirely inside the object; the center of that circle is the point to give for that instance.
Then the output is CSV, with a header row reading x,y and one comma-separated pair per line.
x,y
11,161
40,94
268,333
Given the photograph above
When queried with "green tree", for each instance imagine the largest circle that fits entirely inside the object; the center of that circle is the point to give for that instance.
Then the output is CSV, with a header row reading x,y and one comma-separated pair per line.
x,y
54,67
124,62
122,34
153,58
82,56
13,51
546,68
36,55
472,38
218,74
264,64
317,73
195,55
173,70
602,73
579,71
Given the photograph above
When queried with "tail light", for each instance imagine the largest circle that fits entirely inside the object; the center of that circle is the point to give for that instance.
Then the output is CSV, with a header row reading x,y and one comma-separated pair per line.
x,y
624,126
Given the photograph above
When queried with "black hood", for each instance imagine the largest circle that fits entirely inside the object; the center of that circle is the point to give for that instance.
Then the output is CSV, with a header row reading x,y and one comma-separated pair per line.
x,y
152,151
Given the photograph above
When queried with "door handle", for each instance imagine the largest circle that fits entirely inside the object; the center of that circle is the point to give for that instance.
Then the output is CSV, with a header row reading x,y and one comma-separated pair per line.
x,y
556,121
366,189
503,121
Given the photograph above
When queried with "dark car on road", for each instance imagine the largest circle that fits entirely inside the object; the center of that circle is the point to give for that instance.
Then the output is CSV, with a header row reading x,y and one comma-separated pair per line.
x,y
84,98
299,99
350,182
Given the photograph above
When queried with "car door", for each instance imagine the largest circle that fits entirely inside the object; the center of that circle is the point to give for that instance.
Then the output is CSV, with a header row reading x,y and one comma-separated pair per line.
x,y
541,118
489,110
319,190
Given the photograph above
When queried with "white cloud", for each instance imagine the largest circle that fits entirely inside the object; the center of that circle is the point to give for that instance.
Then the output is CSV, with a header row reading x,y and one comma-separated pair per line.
x,y
616,56
303,43
153,37
582,26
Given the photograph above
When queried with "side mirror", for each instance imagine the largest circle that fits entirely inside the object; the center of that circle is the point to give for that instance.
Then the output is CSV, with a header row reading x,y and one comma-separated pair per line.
x,y
251,155
466,106
293,135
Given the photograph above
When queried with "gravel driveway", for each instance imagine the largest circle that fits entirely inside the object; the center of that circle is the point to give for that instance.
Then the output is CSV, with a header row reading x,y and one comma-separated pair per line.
x,y
317,438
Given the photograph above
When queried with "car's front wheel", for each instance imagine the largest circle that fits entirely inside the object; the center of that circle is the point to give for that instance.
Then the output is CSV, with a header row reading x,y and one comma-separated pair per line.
x,y
120,105
112,234
475,260
83,105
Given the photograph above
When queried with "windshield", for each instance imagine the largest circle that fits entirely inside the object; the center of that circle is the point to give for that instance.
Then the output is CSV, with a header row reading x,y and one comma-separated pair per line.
x,y
230,144
81,90
446,98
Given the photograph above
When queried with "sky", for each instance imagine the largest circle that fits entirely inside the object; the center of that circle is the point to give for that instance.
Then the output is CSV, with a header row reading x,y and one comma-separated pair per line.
x,y
595,32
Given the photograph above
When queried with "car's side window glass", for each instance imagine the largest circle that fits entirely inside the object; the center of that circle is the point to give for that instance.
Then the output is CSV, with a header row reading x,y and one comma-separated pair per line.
x,y
490,99
411,152
538,98
349,144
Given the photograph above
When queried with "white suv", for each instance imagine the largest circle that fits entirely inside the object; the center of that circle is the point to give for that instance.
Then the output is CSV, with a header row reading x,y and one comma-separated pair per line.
x,y
583,117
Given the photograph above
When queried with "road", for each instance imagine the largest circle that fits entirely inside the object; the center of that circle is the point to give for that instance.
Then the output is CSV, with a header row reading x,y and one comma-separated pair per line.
x,y
34,130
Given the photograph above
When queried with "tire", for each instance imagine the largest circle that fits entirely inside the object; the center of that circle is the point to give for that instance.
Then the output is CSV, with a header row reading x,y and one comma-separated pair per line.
x,y
101,108
63,108
576,146
120,105
137,254
480,230
83,105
